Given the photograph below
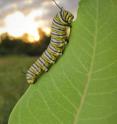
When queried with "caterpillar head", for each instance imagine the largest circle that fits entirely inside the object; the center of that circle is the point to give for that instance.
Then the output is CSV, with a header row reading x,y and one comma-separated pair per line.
x,y
67,16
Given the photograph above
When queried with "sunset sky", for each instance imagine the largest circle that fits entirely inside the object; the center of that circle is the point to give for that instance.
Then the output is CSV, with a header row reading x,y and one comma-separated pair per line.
x,y
18,17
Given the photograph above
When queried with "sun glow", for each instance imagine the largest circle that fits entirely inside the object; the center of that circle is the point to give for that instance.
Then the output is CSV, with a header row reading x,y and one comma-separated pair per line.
x,y
17,24
47,30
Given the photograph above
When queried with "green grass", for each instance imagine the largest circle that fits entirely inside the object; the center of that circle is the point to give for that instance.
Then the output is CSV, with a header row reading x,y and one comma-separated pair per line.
x,y
12,82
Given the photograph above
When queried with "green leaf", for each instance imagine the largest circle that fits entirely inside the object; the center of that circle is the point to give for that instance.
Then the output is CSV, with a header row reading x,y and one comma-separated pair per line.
x,y
81,88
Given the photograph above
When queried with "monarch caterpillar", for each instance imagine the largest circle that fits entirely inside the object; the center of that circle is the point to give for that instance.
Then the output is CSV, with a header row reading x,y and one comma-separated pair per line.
x,y
61,21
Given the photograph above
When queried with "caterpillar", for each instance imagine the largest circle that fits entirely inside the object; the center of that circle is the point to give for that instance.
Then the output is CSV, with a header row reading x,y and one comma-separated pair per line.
x,y
62,20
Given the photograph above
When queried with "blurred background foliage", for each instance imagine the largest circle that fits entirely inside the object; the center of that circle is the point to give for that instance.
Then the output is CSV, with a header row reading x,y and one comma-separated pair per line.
x,y
15,58
12,83
12,46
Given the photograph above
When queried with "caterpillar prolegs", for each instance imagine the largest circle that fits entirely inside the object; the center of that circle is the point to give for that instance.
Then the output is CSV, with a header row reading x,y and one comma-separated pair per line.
x,y
61,21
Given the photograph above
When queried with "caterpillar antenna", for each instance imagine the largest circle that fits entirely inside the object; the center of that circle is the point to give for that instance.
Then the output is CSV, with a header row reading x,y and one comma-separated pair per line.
x,y
56,4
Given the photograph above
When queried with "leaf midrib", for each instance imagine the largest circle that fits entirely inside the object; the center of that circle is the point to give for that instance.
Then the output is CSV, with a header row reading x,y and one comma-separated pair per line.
x,y
89,73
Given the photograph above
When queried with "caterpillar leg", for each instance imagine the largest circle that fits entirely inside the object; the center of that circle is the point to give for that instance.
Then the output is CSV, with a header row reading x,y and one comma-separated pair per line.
x,y
61,53
30,81
32,73
41,65
48,58
30,78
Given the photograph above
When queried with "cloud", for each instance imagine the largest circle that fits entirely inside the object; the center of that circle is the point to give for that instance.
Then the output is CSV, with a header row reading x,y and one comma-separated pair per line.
x,y
26,6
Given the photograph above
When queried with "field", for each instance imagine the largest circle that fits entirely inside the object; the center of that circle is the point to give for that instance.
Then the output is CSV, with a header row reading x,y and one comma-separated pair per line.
x,y
12,82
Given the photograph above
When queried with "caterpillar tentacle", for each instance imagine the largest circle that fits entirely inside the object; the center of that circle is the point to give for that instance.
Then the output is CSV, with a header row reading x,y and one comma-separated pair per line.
x,y
61,21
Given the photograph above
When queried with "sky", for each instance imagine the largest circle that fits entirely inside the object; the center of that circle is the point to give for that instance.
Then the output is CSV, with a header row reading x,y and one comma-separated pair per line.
x,y
25,16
